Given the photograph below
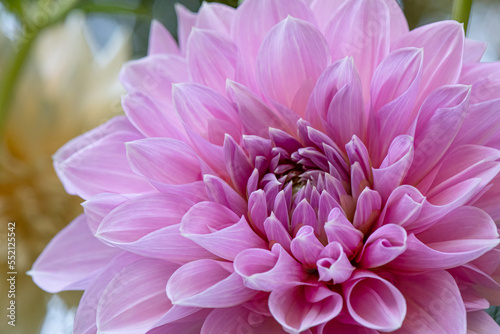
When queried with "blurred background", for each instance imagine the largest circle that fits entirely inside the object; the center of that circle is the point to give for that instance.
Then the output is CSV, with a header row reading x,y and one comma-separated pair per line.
x,y
59,65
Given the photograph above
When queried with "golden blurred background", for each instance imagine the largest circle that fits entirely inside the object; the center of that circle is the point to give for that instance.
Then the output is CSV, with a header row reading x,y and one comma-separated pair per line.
x,y
58,79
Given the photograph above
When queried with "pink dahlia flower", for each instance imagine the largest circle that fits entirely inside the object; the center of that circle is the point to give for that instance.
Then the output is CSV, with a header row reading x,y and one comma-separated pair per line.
x,y
292,166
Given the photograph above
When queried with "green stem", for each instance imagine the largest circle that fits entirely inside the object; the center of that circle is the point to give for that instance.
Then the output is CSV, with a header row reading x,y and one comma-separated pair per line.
x,y
11,76
461,11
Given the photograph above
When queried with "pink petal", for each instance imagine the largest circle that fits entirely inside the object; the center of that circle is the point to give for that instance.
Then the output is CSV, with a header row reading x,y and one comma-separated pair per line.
x,y
160,40
443,245
367,209
484,79
480,322
123,311
298,307
219,230
394,167
216,17
164,160
266,270
434,304
256,117
368,43
464,163
403,206
218,288
275,231
488,202
383,246
443,44
339,229
153,76
190,324
304,214
324,10
237,164
473,50
257,209
97,207
394,89
335,327
220,192
262,15
306,247
374,302
72,259
186,21
205,112
151,120
149,225
239,320
294,52
85,319
334,264
336,103
480,124
211,59
96,162
439,120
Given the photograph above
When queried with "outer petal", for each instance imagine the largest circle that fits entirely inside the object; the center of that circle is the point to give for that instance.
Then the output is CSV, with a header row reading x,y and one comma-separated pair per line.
x,y
97,207
219,230
186,21
72,259
480,322
374,302
239,320
220,192
131,305
473,50
211,58
207,283
153,76
256,117
443,44
443,245
393,90
434,304
151,120
149,226
160,40
261,15
95,162
164,160
85,319
367,42
299,307
480,124
439,120
206,113
216,17
294,52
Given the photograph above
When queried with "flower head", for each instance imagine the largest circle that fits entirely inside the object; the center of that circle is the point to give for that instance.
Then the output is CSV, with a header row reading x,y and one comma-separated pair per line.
x,y
298,166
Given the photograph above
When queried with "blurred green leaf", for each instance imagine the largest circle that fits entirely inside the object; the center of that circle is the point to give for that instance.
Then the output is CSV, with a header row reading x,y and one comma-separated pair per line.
x,y
494,311
232,3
